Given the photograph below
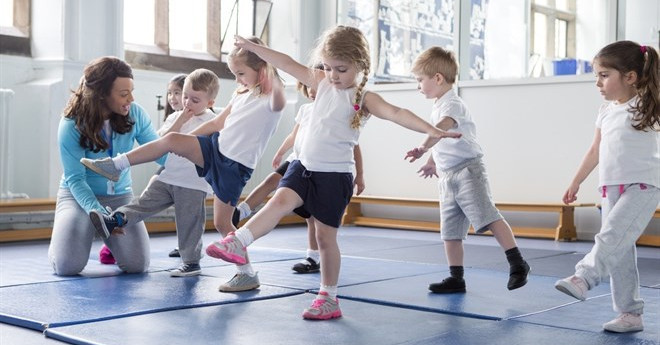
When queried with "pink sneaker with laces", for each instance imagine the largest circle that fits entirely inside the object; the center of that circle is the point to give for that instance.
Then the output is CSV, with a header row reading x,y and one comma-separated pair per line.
x,y
573,286
229,249
105,256
323,308
624,323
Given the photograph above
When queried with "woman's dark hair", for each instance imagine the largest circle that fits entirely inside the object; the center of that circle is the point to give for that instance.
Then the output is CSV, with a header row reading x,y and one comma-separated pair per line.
x,y
87,103
178,80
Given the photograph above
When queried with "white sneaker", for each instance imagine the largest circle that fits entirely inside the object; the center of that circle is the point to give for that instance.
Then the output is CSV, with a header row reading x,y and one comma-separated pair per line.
x,y
573,286
624,323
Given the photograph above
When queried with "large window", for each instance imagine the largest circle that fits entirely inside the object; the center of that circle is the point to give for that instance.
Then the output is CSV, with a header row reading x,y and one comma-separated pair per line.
x,y
15,27
181,35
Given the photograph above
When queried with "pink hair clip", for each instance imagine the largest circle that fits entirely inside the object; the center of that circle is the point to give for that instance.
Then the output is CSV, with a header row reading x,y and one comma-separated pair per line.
x,y
356,107
643,49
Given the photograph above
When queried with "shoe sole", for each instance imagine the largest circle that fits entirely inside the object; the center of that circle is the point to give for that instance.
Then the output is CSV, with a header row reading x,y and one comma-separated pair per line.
x,y
448,291
624,330
99,225
95,169
237,288
213,251
305,270
568,289
185,274
334,315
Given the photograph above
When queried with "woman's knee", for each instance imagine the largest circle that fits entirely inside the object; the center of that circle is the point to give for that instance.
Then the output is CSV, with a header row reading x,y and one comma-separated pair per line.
x,y
63,266
135,265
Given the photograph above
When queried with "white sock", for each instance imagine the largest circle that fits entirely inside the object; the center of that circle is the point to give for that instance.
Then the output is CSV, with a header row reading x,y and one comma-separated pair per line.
x,y
246,269
121,162
244,210
244,236
314,254
331,290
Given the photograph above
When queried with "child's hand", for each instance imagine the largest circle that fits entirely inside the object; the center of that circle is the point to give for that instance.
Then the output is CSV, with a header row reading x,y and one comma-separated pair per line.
x,y
427,170
186,114
415,153
571,194
241,42
277,160
359,184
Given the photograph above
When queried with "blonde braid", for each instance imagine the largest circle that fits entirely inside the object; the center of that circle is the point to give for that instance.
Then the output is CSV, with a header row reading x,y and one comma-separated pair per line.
x,y
359,113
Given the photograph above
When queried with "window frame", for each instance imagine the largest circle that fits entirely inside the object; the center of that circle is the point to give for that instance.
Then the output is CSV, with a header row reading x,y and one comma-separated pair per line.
x,y
15,40
553,14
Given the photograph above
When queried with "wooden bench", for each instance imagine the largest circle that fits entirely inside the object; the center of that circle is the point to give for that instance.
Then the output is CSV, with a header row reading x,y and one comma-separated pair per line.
x,y
156,224
648,240
565,230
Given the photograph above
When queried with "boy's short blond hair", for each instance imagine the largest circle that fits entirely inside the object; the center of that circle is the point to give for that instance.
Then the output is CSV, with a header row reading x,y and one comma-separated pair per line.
x,y
437,60
203,79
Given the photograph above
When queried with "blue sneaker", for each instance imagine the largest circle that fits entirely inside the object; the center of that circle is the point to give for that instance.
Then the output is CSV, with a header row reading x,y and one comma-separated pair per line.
x,y
105,224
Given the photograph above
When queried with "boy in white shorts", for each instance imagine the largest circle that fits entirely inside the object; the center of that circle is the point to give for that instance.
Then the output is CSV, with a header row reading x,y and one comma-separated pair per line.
x,y
464,192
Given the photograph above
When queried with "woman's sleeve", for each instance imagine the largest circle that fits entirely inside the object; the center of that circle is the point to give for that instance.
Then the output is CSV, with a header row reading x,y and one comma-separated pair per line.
x,y
75,174
144,131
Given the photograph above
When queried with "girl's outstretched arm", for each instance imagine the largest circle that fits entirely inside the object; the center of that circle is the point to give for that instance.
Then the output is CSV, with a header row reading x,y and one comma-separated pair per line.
x,y
280,60
589,162
214,125
277,98
376,105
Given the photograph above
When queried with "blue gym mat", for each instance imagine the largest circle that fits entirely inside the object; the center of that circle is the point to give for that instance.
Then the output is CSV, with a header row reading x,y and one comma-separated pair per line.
x,y
274,321
53,304
10,335
564,266
353,270
38,270
475,255
518,333
487,296
160,260
591,314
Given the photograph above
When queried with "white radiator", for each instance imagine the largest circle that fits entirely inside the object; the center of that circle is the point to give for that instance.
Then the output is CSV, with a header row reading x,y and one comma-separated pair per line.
x,y
6,96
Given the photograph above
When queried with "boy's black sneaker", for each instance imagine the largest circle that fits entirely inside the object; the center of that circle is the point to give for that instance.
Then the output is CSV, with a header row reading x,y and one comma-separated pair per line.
x,y
186,270
448,285
308,265
104,224
518,276
174,253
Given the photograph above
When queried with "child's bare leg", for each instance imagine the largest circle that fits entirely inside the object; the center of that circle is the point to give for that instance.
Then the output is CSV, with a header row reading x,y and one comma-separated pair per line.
x,y
455,282
454,252
259,194
281,204
311,262
326,236
222,213
184,145
311,234
503,234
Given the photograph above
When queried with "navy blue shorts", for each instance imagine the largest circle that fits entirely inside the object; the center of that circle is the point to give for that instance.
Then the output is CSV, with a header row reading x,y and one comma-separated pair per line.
x,y
227,177
325,195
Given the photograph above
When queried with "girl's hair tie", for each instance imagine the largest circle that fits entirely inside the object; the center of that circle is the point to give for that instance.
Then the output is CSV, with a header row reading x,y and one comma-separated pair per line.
x,y
356,107
643,49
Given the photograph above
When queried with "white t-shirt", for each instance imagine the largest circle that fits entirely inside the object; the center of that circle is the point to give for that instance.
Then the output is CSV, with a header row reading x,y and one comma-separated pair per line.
x,y
448,153
328,141
248,127
302,118
180,171
626,154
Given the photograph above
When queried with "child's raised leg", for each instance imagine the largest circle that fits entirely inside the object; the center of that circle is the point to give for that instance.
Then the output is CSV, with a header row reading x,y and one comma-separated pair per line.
x,y
518,267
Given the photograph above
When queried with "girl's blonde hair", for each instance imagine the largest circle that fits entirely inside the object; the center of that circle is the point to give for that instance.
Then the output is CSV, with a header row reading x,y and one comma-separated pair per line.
x,y
267,73
627,56
348,44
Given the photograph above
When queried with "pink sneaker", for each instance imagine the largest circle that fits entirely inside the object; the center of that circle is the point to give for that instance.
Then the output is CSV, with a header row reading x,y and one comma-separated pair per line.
x,y
105,256
573,286
229,249
624,323
323,308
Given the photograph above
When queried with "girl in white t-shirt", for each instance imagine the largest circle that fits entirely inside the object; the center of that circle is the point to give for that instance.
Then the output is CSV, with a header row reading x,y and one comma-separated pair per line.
x,y
321,179
626,148
226,149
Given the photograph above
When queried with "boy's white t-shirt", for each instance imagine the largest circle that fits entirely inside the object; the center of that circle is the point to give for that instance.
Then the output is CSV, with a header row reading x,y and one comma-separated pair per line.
x,y
302,118
328,141
179,171
248,127
448,153
626,155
